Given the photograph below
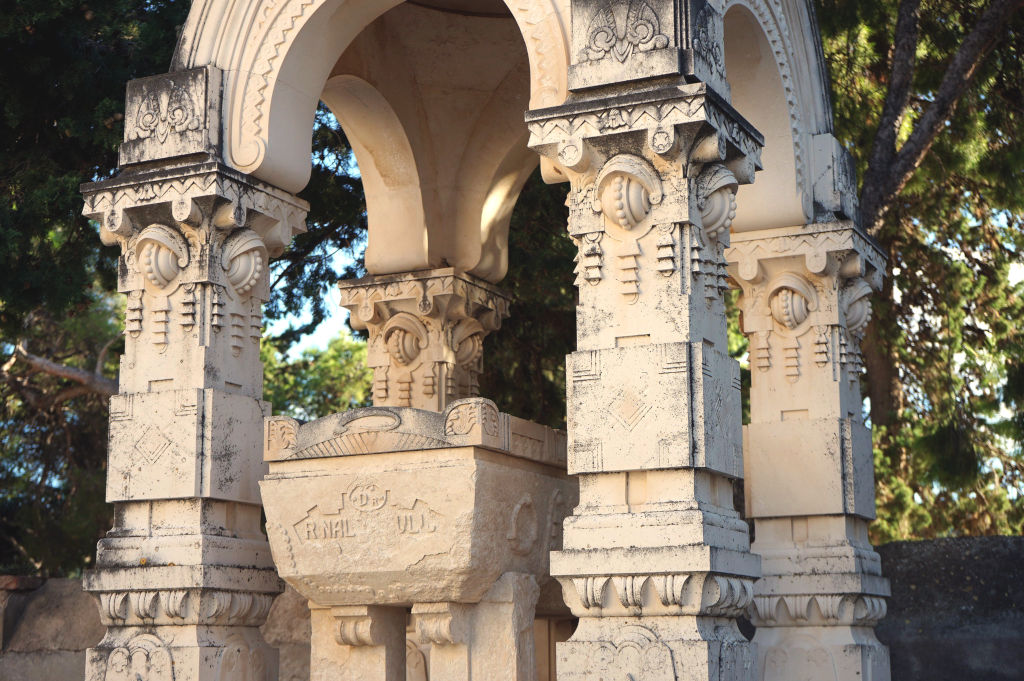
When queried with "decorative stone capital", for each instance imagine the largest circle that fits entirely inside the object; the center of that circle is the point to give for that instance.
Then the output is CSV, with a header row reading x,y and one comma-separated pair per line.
x,y
196,242
806,299
653,178
426,333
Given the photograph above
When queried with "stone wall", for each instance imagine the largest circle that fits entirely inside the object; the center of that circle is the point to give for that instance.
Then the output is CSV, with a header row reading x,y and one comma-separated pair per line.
x,y
956,614
957,609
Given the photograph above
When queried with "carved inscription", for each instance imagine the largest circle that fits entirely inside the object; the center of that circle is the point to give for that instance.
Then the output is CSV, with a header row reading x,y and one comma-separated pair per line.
x,y
365,508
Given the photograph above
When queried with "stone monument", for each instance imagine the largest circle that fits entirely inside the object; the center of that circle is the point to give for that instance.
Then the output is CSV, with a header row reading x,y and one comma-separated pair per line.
x,y
695,137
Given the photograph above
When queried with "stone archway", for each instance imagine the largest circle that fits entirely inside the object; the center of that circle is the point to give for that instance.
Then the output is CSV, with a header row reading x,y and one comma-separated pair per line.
x,y
646,108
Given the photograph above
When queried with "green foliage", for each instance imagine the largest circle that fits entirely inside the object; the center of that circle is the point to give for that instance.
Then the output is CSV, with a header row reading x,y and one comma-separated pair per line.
x,y
948,330
319,382
524,362
53,443
63,75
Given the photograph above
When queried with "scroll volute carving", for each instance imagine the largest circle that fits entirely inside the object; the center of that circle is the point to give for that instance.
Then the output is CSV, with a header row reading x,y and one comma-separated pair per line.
x,y
627,189
161,254
244,260
857,306
468,342
716,192
404,336
791,299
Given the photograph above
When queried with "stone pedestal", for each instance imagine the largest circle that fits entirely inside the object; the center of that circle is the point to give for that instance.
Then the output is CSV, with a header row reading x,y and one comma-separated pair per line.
x,y
185,578
443,520
808,454
656,561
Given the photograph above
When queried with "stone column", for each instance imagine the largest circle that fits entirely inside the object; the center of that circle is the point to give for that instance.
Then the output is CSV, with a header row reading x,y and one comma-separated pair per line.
x,y
426,330
358,642
185,577
655,559
491,640
808,454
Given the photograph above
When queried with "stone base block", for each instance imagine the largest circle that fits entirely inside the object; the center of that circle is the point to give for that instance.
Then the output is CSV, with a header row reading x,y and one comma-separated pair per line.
x,y
829,653
423,526
656,649
183,653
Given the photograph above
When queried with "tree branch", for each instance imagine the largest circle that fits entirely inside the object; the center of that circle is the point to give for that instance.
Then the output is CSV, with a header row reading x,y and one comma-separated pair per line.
x,y
889,179
883,150
101,358
93,381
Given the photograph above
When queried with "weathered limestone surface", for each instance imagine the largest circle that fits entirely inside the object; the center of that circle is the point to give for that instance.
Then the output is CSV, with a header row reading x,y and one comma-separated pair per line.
x,y
440,522
426,332
954,615
185,578
656,561
807,452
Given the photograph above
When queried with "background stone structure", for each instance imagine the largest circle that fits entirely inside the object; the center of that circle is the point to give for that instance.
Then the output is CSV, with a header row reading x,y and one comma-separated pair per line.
x,y
956,614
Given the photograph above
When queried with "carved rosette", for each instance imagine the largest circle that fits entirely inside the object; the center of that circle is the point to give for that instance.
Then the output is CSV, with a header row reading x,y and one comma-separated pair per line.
x,y
426,334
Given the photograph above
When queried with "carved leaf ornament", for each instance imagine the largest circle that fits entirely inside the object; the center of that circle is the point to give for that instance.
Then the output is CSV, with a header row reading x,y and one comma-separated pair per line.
x,y
164,112
792,299
717,190
641,31
858,306
627,187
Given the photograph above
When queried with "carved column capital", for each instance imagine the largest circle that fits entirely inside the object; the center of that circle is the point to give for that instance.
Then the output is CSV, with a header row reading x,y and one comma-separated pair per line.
x,y
806,291
653,178
426,333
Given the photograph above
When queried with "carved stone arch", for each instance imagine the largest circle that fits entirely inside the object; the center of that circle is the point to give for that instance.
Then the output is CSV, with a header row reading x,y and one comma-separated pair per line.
x,y
483,216
778,81
390,174
277,55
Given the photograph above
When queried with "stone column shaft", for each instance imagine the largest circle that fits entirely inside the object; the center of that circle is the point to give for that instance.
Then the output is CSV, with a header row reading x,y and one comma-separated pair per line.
x,y
655,559
185,577
808,453
358,643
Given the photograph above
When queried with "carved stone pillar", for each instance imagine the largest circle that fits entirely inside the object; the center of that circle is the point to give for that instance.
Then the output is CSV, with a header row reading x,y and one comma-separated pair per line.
x,y
185,577
491,640
808,454
655,559
426,333
358,642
